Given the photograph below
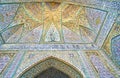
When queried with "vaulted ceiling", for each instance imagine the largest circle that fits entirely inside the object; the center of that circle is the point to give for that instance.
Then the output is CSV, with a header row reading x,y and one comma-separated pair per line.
x,y
84,23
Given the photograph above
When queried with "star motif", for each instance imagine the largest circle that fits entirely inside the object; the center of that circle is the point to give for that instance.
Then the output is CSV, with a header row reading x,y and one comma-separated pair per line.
x,y
71,16
52,16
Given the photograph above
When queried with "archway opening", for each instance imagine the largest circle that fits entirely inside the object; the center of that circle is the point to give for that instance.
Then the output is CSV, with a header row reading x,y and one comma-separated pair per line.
x,y
52,73
51,67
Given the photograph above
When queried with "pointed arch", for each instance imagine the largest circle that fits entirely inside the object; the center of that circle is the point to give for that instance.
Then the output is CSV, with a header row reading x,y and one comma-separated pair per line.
x,y
49,62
